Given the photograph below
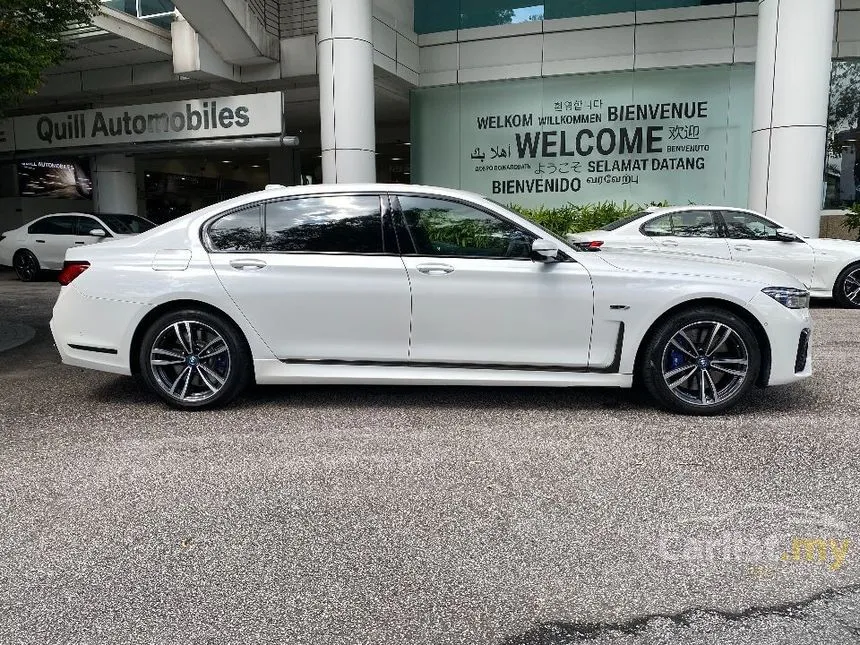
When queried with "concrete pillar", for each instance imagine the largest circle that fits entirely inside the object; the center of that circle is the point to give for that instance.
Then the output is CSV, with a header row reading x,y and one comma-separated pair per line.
x,y
345,60
114,184
792,87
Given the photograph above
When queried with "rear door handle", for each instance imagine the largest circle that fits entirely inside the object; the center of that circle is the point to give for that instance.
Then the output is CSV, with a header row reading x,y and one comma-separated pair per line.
x,y
40,241
435,269
80,243
743,247
250,265
669,243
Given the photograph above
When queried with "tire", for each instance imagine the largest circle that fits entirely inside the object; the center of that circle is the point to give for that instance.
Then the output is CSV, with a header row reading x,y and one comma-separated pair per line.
x,y
846,289
26,266
722,353
211,373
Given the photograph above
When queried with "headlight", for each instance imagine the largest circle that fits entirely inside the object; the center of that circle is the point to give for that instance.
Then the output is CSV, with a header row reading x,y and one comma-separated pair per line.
x,y
789,296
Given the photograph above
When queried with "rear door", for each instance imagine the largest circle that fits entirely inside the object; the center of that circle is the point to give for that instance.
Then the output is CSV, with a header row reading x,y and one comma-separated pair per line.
x,y
56,237
752,238
315,277
689,231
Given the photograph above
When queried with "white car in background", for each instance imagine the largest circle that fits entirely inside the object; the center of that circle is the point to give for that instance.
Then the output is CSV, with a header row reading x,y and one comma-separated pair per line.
x,y
414,285
828,268
42,243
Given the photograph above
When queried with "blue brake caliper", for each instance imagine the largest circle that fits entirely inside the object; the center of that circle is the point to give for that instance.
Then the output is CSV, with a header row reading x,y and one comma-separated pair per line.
x,y
676,358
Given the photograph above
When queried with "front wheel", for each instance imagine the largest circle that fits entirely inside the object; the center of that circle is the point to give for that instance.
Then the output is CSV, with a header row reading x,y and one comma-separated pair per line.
x,y
701,361
846,289
193,359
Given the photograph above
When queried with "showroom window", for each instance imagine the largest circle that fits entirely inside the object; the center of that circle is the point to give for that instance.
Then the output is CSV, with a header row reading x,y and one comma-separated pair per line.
x,y
444,15
338,224
159,12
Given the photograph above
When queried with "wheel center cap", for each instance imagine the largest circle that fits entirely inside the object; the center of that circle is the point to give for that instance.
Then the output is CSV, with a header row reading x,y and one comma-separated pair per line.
x,y
704,362
192,361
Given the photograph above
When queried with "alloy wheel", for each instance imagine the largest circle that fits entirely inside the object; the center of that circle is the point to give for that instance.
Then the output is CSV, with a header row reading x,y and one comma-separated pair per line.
x,y
705,363
851,286
190,361
26,266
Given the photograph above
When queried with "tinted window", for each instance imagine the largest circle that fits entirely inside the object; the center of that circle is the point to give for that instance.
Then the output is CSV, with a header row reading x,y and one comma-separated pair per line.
x,y
126,224
336,224
440,227
86,224
659,226
693,224
746,226
682,224
238,231
59,225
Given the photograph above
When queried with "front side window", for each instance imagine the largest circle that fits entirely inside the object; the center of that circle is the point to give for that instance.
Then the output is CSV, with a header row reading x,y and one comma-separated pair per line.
x,y
659,226
237,232
747,226
325,224
87,224
441,227
126,224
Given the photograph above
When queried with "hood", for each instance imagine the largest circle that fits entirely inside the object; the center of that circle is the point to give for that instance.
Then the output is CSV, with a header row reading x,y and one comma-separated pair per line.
x,y
665,263
846,248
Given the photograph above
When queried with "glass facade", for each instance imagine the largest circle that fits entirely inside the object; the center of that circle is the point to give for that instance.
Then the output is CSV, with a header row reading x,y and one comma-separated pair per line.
x,y
676,135
159,12
842,171
445,15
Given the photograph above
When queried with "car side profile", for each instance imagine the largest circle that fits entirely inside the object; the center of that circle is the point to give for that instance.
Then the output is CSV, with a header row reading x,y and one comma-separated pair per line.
x,y
42,243
396,284
828,268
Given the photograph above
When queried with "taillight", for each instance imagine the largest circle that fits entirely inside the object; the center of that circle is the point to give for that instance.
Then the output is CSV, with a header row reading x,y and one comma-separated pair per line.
x,y
594,245
71,270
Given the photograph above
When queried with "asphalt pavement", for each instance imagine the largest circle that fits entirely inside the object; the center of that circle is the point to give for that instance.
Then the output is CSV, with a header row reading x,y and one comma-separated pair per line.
x,y
351,515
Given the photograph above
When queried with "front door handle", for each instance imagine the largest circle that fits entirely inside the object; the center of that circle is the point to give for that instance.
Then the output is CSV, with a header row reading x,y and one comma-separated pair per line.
x,y
40,241
249,264
743,247
435,269
80,243
670,243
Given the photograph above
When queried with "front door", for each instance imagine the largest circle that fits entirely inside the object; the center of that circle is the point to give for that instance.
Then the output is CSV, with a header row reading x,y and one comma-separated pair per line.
x,y
478,298
314,278
693,231
752,239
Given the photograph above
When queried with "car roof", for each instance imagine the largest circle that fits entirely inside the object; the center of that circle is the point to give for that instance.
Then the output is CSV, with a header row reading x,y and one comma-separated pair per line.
x,y
274,190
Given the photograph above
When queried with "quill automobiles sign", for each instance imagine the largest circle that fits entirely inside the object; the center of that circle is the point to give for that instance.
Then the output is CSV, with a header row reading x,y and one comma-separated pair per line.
x,y
247,115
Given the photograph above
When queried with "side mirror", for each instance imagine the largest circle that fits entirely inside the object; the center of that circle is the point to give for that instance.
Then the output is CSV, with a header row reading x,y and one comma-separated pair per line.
x,y
545,250
98,232
784,235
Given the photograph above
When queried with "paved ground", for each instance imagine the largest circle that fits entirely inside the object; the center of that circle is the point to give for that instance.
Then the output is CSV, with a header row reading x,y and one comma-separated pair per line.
x,y
397,515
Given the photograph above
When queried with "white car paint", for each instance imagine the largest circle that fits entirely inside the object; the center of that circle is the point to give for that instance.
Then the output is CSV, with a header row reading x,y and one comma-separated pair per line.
x,y
348,318
816,262
50,250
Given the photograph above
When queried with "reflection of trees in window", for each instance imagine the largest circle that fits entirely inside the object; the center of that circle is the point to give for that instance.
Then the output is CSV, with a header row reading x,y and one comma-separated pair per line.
x,y
235,238
843,134
361,234
441,230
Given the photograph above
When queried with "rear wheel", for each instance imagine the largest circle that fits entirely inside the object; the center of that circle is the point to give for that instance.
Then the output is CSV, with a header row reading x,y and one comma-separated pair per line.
x,y
193,359
26,266
701,361
846,289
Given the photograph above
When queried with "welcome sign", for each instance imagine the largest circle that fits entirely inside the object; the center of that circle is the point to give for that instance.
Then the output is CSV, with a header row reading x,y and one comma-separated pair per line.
x,y
233,116
676,135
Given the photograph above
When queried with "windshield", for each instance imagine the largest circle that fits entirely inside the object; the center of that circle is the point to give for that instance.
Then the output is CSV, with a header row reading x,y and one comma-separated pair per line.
x,y
624,220
126,224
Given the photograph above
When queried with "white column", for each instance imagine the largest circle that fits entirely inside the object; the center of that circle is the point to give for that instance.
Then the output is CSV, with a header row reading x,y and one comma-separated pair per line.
x,y
114,184
792,87
347,120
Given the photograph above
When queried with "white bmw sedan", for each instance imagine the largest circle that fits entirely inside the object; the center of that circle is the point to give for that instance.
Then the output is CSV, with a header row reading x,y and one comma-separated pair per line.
x,y
417,285
42,243
828,268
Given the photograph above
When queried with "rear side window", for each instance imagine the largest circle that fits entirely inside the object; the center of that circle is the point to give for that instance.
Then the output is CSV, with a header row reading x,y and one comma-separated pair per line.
x,y
325,224
59,225
236,232
682,224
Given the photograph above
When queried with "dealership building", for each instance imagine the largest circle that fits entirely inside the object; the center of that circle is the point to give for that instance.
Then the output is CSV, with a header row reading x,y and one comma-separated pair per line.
x,y
164,107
